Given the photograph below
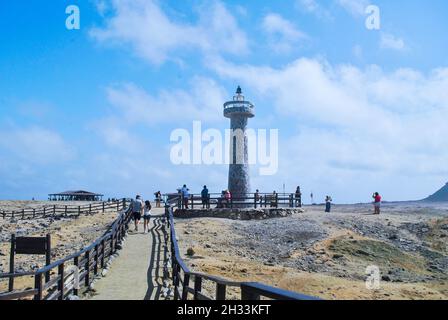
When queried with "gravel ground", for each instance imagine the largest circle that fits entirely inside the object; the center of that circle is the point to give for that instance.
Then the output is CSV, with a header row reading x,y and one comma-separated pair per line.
x,y
407,242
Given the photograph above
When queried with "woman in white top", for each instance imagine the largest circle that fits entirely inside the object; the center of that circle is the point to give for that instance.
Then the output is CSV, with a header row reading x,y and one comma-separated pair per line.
x,y
147,216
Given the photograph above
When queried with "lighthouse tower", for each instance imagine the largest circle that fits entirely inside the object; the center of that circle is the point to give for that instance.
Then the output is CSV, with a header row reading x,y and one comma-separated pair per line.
x,y
239,111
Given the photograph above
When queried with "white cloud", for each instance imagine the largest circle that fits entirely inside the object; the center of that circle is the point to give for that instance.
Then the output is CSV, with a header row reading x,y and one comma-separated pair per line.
x,y
313,7
354,7
283,35
352,122
203,101
35,145
156,37
389,41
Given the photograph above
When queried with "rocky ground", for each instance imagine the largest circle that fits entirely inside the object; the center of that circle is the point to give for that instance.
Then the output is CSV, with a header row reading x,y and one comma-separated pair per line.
x,y
69,235
326,255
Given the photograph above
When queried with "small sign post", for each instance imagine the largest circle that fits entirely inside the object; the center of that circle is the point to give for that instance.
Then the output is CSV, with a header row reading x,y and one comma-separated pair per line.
x,y
29,245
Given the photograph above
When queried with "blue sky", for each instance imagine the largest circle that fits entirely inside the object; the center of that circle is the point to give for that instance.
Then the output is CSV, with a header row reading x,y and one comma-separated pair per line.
x,y
357,110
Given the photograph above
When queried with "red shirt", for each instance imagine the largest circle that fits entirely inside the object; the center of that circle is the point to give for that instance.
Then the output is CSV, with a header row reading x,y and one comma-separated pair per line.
x,y
377,199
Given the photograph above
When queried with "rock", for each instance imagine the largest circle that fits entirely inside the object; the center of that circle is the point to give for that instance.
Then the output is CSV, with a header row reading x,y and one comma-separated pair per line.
x,y
362,252
386,278
190,252
338,256
104,273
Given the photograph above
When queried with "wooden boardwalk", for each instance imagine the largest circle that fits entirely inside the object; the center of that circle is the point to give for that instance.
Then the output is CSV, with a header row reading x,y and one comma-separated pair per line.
x,y
137,273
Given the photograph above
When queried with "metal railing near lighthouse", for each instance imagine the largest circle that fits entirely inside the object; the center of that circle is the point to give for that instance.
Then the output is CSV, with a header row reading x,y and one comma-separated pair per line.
x,y
249,200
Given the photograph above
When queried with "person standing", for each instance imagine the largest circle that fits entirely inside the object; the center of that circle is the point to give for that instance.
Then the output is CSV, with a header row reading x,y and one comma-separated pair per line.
x,y
377,202
185,195
146,216
158,195
298,196
228,198
205,198
257,198
137,210
328,201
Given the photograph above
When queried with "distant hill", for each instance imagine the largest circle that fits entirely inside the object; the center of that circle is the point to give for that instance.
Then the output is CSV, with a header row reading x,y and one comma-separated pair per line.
x,y
441,195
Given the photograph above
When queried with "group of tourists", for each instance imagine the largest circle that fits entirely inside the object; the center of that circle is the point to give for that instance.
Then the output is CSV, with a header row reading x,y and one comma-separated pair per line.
x,y
226,199
141,210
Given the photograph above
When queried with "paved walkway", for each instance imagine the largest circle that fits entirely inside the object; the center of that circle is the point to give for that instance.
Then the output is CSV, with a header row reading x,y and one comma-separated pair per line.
x,y
137,273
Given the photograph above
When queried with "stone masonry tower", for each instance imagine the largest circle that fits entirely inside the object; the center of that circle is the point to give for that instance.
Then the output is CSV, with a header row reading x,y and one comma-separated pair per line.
x,y
239,111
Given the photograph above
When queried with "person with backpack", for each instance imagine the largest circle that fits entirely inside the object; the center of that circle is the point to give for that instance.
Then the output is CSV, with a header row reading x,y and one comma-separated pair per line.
x,y
137,210
146,216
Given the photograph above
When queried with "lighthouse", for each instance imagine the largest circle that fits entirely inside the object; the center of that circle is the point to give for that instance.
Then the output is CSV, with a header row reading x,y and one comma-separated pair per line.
x,y
239,111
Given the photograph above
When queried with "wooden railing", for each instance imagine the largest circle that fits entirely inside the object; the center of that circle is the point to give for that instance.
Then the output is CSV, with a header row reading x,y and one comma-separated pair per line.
x,y
188,284
260,200
58,210
60,279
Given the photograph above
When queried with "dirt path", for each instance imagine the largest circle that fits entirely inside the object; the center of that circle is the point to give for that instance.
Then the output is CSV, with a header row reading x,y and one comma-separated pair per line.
x,y
137,273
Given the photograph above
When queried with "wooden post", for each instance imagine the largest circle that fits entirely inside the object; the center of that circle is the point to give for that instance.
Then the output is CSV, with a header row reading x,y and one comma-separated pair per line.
x,y
197,286
118,205
65,211
246,294
220,291
95,268
87,269
12,215
61,281
185,287
76,263
111,245
79,211
54,210
90,209
124,203
276,200
104,208
176,269
23,214
48,257
11,262
192,201
34,213
38,286
44,212
103,250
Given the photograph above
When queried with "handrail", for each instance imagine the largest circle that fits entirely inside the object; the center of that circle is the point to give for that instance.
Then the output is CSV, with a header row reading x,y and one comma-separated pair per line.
x,y
93,259
48,210
84,250
249,290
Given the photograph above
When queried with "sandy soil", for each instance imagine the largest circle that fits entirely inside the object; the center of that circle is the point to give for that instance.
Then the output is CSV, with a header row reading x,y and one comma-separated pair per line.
x,y
69,235
326,255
